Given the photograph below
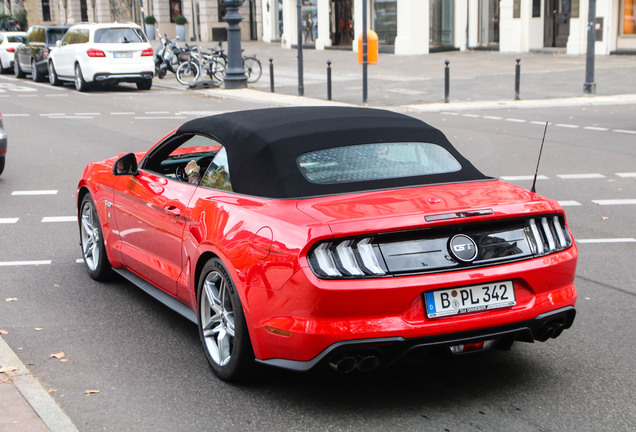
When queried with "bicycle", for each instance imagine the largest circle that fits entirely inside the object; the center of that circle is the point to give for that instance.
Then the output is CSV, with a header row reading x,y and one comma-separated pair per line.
x,y
251,65
190,71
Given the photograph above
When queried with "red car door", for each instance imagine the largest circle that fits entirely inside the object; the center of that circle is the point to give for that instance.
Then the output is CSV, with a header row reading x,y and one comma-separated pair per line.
x,y
149,213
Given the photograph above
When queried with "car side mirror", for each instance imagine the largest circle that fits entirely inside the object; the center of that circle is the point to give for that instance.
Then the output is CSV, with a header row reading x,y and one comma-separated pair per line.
x,y
126,165
24,40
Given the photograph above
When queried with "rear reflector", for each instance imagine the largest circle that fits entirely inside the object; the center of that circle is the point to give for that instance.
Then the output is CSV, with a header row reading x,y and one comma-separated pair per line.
x,y
470,347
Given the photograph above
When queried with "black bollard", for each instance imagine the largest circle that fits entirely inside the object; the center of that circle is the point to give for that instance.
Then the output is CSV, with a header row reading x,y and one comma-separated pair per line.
x,y
271,75
517,79
328,79
446,81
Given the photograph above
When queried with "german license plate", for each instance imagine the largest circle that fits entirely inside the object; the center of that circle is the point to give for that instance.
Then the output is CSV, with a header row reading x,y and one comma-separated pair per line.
x,y
472,298
127,54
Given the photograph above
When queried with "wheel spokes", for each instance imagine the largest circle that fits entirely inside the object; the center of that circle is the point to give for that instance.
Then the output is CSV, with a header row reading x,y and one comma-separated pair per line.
x,y
217,318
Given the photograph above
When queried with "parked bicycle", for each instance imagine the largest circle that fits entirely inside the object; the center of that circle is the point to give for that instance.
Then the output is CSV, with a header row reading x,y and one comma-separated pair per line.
x,y
251,65
190,70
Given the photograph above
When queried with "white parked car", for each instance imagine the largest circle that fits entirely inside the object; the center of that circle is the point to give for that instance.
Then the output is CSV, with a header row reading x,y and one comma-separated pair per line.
x,y
8,42
102,53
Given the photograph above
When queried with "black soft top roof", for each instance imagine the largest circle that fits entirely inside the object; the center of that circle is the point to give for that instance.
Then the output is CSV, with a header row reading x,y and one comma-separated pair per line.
x,y
263,146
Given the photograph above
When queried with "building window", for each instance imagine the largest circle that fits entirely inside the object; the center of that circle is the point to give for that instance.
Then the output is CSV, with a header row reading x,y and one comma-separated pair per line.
x,y
222,10
575,6
385,21
175,9
46,10
629,17
536,8
516,9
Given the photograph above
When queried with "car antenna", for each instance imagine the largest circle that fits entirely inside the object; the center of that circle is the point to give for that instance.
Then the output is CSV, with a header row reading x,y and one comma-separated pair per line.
x,y
536,172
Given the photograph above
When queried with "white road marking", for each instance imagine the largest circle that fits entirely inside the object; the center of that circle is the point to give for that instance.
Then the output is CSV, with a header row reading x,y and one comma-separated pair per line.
x,y
631,132
59,219
626,174
160,118
493,118
615,202
529,177
79,261
16,115
515,120
608,240
565,125
471,115
52,114
594,128
569,203
535,122
580,176
87,114
34,192
56,95
123,113
24,263
156,112
9,220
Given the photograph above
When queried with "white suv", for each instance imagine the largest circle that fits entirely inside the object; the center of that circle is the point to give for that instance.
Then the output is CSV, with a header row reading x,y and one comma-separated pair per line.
x,y
102,53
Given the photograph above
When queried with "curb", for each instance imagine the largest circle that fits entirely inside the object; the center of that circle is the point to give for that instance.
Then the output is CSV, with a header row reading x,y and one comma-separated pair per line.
x,y
35,395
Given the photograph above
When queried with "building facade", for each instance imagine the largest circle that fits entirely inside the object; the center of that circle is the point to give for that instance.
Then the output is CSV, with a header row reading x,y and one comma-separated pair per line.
x,y
421,26
205,17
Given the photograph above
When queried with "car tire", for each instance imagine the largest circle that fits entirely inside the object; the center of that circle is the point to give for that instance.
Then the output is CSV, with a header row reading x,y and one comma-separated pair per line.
x,y
53,79
92,241
36,75
222,326
80,84
17,70
2,68
146,84
1,164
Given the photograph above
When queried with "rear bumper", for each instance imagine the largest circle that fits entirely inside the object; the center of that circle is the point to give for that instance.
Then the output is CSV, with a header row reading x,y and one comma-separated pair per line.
x,y
106,77
388,350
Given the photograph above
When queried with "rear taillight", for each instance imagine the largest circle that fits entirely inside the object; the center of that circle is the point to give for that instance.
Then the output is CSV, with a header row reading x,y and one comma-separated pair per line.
x,y
346,258
147,52
547,234
10,49
92,52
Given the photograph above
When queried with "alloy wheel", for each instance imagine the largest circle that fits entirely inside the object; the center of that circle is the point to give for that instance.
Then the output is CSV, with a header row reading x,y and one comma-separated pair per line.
x,y
217,318
90,236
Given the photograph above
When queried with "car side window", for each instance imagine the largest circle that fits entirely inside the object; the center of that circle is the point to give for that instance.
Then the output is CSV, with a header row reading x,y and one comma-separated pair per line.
x,y
217,176
68,37
84,36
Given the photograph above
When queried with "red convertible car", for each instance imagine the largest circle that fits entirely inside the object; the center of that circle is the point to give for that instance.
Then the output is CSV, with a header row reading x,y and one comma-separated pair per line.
x,y
349,237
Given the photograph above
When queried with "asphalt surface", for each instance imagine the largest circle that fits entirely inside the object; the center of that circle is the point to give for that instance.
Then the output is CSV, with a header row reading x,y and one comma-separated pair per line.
x,y
482,92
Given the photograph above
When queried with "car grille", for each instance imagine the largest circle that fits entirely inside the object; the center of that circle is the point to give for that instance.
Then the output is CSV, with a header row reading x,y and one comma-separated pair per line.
x,y
448,248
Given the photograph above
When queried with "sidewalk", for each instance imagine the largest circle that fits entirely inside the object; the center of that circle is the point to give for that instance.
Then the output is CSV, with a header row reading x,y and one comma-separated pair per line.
x,y
24,404
398,81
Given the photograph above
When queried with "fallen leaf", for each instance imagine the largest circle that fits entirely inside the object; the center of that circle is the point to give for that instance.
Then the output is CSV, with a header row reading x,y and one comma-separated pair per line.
x,y
5,369
611,180
52,390
39,329
59,355
64,360
11,299
91,392
604,217
3,332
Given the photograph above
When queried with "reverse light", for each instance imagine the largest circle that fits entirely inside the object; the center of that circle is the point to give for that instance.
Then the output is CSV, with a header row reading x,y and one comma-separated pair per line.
x,y
470,347
147,52
92,52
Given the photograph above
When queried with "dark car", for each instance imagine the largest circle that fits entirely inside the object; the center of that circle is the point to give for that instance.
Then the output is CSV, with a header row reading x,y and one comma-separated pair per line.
x,y
9,24
3,145
32,54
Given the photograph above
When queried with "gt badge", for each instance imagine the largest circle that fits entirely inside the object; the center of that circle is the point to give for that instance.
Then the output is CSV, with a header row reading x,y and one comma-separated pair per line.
x,y
463,248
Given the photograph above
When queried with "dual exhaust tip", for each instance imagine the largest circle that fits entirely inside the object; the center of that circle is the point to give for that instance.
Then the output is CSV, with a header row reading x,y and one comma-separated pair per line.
x,y
350,363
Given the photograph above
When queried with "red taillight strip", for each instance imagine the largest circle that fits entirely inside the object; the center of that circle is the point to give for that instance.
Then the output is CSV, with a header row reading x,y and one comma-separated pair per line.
x,y
147,52
92,52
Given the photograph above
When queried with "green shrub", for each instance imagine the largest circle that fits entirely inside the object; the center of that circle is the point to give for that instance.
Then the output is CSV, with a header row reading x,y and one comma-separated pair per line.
x,y
180,20
150,19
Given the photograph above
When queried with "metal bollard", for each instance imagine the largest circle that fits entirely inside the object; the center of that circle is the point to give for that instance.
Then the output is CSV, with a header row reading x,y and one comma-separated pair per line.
x,y
446,81
517,79
271,75
328,79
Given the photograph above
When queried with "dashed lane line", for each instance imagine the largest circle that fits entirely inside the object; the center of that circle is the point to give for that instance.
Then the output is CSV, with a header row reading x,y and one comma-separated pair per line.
x,y
580,176
24,263
523,177
569,203
615,202
608,240
627,174
9,220
49,219
34,192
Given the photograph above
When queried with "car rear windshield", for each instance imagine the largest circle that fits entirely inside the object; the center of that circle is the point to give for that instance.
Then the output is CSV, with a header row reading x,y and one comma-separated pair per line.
x,y
119,35
358,163
14,38
54,35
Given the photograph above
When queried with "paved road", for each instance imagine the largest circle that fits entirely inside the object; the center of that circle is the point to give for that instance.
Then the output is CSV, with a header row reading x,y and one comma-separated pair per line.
x,y
147,363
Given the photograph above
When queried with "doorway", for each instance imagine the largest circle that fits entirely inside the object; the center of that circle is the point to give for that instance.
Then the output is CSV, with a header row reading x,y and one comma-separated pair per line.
x,y
341,22
556,23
